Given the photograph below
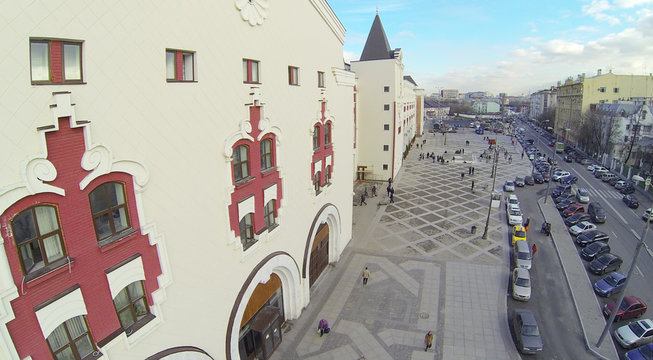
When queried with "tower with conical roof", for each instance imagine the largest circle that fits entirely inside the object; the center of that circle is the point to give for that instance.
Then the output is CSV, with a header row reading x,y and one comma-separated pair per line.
x,y
388,107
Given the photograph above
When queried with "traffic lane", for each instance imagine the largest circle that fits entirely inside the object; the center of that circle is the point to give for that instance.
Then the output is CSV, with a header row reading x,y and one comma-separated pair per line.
x,y
551,300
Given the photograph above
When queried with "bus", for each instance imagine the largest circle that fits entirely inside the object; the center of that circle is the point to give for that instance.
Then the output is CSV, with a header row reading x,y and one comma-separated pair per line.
x,y
560,147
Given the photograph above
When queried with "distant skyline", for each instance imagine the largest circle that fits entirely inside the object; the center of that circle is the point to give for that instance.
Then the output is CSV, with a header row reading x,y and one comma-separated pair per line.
x,y
516,47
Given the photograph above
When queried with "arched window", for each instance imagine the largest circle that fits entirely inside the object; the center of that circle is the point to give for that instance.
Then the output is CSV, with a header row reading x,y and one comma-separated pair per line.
x,y
247,230
38,237
109,209
266,154
316,181
327,175
316,137
131,305
71,340
327,133
240,162
270,218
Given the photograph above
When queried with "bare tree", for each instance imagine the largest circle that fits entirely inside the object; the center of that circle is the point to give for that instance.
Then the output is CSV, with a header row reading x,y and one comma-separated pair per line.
x,y
598,131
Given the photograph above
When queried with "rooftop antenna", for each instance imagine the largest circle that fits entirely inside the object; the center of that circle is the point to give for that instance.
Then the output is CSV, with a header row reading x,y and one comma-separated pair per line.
x,y
377,10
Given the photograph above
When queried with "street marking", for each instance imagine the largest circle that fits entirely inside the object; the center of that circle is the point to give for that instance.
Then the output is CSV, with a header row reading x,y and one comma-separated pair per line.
x,y
638,270
634,233
616,212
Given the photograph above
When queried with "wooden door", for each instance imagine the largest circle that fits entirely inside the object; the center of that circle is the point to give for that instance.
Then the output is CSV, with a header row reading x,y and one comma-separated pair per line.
x,y
319,253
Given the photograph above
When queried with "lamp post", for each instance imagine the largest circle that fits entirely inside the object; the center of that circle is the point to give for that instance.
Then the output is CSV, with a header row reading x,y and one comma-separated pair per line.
x,y
494,180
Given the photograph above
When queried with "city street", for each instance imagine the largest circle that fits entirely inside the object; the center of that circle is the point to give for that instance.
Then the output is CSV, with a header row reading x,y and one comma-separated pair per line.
x,y
432,271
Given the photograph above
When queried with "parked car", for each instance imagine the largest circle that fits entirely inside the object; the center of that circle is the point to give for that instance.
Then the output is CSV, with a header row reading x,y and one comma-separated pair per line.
x,y
597,212
605,263
631,201
560,189
627,189
560,175
576,218
571,179
527,332
518,234
636,333
631,307
644,352
582,196
565,196
585,161
594,250
519,181
562,205
546,177
538,178
581,227
521,284
613,181
610,284
619,184
608,176
573,209
509,186
646,216
512,200
514,215
591,236
568,158
529,180
590,167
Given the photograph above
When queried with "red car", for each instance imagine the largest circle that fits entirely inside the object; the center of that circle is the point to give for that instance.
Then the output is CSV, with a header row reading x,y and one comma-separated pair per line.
x,y
573,209
631,307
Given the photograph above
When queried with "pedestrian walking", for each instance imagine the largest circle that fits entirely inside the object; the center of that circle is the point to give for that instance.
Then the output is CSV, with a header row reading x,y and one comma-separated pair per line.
x,y
374,190
323,327
528,222
534,249
510,160
388,189
522,154
366,194
363,200
462,175
473,168
472,185
392,195
469,171
366,275
428,340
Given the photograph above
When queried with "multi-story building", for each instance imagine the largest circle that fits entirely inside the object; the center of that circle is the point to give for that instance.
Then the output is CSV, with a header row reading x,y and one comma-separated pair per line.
x,y
541,102
574,97
627,132
486,107
147,155
387,107
449,93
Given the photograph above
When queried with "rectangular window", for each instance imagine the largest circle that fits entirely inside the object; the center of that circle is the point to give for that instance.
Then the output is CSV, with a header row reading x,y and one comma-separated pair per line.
x,y
386,89
386,126
320,79
180,65
250,71
131,306
385,166
386,147
616,90
293,75
268,214
247,231
602,89
316,137
386,107
55,61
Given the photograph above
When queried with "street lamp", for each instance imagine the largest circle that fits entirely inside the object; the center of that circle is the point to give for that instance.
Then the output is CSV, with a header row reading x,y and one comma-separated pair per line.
x,y
494,180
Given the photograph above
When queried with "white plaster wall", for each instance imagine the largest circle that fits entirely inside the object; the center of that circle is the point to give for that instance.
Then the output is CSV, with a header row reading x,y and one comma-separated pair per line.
x,y
178,131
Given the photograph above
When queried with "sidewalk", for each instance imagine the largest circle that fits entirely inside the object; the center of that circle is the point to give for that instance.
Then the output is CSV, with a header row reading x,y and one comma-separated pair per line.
x,y
429,271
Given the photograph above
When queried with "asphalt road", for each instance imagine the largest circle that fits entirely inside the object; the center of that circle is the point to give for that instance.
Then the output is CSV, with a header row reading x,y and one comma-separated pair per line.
x,y
624,225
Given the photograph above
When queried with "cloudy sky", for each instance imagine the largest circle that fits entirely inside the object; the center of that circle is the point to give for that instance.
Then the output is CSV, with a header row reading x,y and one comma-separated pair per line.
x,y
517,47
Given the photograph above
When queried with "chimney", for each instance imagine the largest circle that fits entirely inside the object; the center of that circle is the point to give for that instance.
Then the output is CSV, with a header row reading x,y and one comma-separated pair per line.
x,y
598,72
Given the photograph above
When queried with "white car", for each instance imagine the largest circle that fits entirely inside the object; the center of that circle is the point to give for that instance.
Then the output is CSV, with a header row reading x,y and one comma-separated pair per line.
x,y
635,334
646,216
509,186
513,200
619,184
590,167
521,284
582,196
513,212
560,175
581,227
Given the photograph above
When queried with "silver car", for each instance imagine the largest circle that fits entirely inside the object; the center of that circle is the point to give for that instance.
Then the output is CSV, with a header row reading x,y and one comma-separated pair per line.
x,y
509,186
583,196
521,284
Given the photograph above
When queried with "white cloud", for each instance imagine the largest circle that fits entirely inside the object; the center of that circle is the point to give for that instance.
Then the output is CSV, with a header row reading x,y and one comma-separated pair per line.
x,y
350,56
562,47
406,33
631,3
597,10
586,29
518,53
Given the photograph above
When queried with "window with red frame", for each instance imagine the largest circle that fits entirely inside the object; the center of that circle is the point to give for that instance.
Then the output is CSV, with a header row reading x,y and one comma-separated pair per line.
x,y
38,237
327,175
109,210
240,163
327,133
316,182
71,340
56,61
293,75
316,137
247,231
266,154
320,79
251,71
180,65
268,214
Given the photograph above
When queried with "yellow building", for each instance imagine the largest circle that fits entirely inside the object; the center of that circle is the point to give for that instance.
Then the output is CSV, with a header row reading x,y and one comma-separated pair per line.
x,y
576,96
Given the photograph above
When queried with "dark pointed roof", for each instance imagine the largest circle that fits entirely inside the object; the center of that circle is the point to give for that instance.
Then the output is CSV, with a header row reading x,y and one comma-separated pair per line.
x,y
376,46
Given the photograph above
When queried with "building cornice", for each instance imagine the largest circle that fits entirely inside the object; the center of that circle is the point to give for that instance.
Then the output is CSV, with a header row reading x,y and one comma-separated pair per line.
x,y
330,18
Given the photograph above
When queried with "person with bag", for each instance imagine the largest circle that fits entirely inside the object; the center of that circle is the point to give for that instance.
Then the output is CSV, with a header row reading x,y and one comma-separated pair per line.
x,y
323,327
428,340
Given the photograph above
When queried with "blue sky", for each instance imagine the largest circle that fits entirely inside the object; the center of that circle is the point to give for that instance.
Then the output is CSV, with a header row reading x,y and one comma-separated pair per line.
x,y
517,47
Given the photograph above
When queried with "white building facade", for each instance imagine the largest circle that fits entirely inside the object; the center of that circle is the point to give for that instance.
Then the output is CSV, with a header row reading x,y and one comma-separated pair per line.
x,y
541,102
148,157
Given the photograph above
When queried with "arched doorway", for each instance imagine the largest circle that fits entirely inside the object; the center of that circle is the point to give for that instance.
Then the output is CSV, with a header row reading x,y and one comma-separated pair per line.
x,y
319,253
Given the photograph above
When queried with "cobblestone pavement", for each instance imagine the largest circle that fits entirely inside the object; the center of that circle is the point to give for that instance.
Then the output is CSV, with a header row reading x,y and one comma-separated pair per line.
x,y
429,270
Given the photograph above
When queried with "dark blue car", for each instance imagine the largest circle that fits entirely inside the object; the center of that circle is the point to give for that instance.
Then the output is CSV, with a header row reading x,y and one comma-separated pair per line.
x,y
569,180
610,284
644,352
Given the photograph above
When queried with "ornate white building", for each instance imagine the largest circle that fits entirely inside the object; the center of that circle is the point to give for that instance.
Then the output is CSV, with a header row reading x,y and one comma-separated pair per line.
x,y
175,176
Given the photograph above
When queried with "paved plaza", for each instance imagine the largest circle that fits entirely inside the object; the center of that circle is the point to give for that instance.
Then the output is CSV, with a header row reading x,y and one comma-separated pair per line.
x,y
429,271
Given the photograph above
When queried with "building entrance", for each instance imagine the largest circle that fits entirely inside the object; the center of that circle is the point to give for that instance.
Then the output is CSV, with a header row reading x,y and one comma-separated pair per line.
x,y
319,253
